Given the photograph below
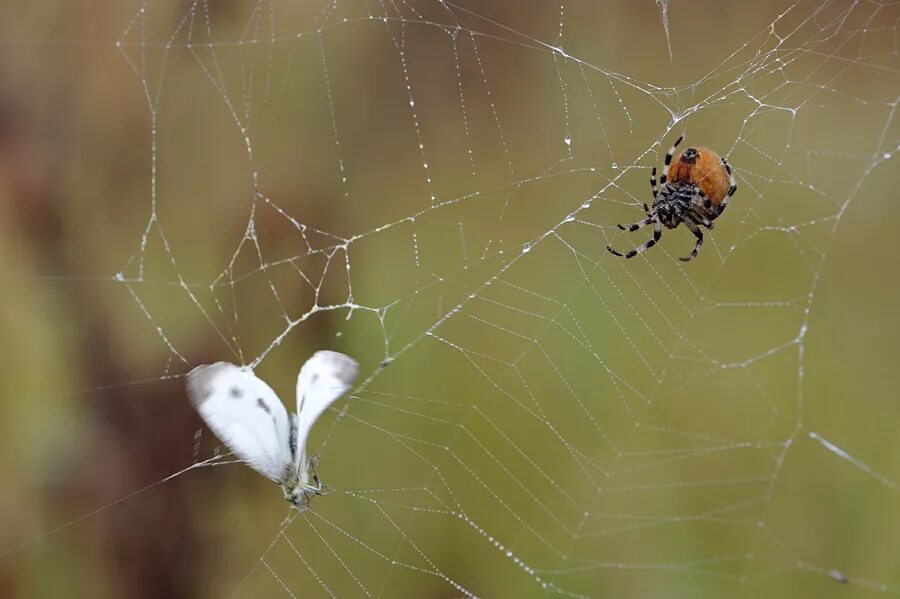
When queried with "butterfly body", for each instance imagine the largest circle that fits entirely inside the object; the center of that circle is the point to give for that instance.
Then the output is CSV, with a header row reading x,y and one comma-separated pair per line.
x,y
250,419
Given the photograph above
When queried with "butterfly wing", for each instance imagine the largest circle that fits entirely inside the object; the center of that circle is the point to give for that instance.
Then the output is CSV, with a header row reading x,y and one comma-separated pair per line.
x,y
245,414
324,378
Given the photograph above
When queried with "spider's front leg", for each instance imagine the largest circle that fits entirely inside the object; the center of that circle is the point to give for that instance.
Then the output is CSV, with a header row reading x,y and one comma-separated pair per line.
x,y
657,233
636,226
699,234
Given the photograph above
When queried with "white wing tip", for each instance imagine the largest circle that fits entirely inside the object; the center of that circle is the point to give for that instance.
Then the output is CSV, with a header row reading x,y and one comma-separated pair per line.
x,y
199,381
341,366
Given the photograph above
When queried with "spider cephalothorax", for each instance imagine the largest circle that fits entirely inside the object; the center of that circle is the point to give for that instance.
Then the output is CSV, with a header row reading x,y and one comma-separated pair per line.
x,y
699,186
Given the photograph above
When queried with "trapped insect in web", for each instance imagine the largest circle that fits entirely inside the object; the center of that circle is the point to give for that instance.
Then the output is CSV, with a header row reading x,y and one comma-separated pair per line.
x,y
247,416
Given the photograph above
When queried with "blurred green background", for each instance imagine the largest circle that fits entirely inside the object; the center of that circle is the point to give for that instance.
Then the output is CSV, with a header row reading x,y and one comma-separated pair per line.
x,y
435,184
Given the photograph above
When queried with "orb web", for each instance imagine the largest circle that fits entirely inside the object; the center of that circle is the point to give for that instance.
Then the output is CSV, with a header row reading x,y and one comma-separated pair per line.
x,y
431,186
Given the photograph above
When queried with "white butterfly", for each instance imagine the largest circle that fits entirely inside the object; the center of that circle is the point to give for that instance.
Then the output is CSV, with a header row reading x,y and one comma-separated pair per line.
x,y
247,416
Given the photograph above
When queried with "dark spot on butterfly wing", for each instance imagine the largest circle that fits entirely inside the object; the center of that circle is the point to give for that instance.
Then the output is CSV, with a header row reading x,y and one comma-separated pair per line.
x,y
292,436
237,392
262,404
302,399
199,382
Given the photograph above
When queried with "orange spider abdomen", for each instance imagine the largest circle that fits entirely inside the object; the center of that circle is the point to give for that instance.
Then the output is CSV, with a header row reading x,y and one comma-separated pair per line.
x,y
702,167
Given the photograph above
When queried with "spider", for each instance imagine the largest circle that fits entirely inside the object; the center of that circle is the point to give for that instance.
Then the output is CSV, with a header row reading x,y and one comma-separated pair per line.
x,y
698,190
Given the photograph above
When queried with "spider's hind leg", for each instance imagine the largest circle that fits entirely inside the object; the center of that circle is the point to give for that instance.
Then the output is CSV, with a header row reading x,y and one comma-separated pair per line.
x,y
668,159
731,189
